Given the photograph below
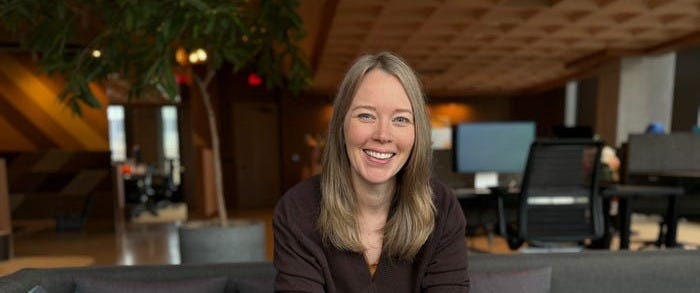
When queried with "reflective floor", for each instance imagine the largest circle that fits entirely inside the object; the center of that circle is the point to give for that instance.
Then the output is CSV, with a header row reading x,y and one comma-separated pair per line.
x,y
133,244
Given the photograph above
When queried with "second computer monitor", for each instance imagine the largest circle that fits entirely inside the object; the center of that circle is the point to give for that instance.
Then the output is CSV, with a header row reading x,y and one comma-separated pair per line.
x,y
489,148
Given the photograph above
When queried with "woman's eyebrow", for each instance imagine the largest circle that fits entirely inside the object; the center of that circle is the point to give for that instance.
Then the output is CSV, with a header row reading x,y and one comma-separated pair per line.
x,y
367,107
363,107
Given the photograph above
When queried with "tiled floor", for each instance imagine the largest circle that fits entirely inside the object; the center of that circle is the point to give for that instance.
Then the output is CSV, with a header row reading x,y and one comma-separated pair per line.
x,y
158,243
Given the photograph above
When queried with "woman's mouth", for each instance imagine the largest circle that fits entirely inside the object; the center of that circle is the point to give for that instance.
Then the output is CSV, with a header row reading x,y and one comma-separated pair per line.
x,y
379,155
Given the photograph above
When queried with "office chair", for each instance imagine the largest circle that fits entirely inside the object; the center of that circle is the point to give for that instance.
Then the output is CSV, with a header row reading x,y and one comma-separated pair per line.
x,y
559,202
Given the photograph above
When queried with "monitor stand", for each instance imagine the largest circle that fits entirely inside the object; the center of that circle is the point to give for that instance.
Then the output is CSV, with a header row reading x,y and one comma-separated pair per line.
x,y
484,180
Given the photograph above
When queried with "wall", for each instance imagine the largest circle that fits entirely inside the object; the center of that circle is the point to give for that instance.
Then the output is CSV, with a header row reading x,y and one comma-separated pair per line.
x,y
546,109
586,102
32,118
453,111
304,121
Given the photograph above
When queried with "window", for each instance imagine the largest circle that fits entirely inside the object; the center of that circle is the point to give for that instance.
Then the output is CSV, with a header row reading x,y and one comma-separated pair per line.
x,y
117,138
171,141
169,132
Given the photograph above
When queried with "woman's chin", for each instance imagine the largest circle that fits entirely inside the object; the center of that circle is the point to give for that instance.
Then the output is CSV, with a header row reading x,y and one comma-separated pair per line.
x,y
378,178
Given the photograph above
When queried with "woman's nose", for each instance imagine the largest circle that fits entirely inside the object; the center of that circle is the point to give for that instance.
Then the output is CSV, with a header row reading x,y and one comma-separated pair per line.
x,y
382,132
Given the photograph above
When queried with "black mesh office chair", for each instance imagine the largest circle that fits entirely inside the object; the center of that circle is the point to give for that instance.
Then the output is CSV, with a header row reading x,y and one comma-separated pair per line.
x,y
559,200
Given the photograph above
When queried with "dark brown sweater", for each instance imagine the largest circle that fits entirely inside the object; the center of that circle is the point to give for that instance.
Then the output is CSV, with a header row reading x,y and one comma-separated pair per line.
x,y
304,264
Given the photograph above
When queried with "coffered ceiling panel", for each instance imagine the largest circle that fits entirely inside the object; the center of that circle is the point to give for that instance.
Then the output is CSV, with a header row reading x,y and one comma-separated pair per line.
x,y
499,47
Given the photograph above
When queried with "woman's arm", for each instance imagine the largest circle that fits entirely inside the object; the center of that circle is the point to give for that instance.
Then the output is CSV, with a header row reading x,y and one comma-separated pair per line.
x,y
447,269
297,268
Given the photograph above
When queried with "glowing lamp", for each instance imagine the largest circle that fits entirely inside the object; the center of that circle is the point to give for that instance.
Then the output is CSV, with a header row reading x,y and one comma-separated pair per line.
x,y
180,79
254,80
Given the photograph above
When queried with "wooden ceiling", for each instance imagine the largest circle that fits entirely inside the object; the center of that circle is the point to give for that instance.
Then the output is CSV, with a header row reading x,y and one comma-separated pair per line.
x,y
493,47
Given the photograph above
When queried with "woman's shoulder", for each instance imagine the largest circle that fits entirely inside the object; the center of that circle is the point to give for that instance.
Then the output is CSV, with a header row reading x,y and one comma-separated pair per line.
x,y
304,198
442,194
311,185
445,201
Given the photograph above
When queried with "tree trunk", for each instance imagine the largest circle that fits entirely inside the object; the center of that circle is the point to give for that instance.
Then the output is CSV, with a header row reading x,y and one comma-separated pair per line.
x,y
202,84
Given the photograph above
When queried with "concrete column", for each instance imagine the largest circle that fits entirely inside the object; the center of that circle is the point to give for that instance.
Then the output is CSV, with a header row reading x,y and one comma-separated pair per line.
x,y
570,104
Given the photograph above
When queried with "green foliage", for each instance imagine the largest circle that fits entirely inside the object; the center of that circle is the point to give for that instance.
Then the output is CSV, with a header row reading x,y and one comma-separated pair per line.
x,y
138,40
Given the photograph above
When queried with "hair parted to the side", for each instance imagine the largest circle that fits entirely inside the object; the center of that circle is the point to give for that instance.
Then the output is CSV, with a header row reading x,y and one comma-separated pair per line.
x,y
412,215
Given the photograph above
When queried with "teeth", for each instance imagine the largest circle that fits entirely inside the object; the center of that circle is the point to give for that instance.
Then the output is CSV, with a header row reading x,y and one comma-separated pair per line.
x,y
378,155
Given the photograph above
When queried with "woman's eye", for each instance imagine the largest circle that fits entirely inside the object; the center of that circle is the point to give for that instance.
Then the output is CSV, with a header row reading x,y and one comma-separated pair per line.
x,y
364,116
402,120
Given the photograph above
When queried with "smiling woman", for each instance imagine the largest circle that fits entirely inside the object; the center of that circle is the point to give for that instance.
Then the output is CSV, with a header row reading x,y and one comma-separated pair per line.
x,y
374,220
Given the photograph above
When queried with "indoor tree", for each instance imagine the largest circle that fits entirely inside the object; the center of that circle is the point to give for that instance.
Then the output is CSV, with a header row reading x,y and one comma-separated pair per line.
x,y
137,41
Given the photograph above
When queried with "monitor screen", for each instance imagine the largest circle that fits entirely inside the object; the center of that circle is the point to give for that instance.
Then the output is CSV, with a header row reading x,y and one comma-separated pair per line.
x,y
492,146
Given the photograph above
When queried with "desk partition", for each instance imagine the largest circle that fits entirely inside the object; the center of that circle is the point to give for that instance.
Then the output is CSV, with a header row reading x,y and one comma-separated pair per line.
x,y
654,154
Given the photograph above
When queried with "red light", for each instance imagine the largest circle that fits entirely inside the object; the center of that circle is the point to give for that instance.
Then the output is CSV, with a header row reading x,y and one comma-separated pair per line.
x,y
254,80
180,79
126,169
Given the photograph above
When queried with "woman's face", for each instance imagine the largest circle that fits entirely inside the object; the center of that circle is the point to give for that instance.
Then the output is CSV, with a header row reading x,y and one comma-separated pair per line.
x,y
379,130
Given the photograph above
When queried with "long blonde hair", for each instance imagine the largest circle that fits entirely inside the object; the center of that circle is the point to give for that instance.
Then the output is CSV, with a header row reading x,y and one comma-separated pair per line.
x,y
412,214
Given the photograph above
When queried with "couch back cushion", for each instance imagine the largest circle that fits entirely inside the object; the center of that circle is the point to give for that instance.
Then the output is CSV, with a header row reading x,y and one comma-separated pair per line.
x,y
94,285
668,270
536,280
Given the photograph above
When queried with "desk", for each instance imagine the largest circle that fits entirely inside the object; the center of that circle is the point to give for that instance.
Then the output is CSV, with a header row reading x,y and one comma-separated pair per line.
x,y
470,193
484,198
625,193
477,206
672,174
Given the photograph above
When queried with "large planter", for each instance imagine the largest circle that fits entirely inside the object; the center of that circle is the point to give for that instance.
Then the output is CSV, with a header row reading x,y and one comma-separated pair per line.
x,y
209,242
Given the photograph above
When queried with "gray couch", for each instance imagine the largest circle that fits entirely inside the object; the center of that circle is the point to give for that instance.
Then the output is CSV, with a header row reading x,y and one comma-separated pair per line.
x,y
604,271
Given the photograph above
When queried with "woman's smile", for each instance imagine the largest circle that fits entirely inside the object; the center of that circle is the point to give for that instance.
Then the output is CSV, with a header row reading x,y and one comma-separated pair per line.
x,y
379,155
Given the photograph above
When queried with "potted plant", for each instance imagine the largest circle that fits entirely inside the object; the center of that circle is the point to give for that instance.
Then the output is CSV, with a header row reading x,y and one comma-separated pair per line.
x,y
138,41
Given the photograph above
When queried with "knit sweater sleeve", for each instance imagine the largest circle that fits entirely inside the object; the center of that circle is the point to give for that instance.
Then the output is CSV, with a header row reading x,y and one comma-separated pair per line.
x,y
447,269
296,255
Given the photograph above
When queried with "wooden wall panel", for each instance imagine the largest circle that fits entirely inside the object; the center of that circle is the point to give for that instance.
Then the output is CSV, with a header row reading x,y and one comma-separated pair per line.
x,y
33,118
5,223
20,142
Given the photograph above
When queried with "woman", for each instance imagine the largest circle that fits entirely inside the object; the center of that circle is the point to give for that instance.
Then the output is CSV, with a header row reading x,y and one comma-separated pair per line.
x,y
373,221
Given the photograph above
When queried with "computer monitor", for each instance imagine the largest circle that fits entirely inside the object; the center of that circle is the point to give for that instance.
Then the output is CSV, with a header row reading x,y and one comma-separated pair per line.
x,y
489,148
